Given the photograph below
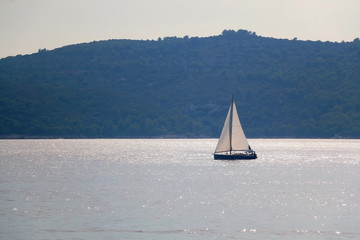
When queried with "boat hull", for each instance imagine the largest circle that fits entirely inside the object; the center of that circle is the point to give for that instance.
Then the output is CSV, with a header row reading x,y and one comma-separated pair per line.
x,y
235,156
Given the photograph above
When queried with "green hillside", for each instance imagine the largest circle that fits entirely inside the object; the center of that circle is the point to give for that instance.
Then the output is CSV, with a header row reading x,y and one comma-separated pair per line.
x,y
183,87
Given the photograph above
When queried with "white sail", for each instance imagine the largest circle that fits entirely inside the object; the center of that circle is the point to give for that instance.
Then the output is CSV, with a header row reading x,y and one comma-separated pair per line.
x,y
238,141
232,136
224,140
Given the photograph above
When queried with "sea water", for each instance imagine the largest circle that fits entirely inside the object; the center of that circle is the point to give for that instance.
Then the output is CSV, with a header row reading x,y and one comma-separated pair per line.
x,y
173,189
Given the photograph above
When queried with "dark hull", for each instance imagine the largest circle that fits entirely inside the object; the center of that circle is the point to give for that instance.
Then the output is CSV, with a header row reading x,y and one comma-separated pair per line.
x,y
234,156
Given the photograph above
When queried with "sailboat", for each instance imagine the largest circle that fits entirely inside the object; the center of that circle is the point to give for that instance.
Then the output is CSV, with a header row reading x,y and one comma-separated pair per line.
x,y
232,144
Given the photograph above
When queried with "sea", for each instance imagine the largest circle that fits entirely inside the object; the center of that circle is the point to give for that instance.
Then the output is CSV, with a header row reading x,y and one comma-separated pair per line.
x,y
173,189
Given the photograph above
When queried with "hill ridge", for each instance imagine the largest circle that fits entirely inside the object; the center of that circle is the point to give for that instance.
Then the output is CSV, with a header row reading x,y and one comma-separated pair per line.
x,y
182,86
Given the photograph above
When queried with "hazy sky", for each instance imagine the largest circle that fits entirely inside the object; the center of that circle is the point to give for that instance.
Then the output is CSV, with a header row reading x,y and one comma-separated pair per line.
x,y
28,25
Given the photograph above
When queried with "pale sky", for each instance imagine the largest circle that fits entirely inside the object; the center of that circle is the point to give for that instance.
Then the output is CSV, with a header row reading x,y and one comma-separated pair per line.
x,y
29,25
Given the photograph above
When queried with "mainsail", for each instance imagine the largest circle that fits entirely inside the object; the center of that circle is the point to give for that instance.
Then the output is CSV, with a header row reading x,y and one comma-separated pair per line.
x,y
232,136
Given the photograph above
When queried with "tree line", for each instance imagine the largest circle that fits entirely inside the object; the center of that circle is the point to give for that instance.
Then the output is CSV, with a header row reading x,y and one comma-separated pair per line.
x,y
182,87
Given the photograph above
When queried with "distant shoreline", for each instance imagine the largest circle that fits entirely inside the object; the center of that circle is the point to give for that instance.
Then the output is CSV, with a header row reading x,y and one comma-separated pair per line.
x,y
26,137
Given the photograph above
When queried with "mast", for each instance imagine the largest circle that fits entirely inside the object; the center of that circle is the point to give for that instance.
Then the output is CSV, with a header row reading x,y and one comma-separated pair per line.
x,y
231,120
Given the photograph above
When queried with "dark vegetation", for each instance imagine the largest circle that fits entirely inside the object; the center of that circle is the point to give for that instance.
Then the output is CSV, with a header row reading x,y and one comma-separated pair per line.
x,y
182,87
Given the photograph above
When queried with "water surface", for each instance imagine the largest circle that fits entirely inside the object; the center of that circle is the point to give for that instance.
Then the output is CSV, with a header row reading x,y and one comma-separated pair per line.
x,y
173,189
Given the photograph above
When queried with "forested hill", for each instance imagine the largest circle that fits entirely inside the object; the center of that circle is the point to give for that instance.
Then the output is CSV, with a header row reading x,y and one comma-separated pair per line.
x,y
183,87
